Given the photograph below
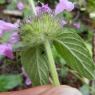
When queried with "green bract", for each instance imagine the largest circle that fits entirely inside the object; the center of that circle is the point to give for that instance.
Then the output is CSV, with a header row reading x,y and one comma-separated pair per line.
x,y
40,28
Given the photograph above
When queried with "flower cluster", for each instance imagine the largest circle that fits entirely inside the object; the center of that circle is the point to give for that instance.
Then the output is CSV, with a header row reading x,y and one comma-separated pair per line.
x,y
60,7
6,48
43,9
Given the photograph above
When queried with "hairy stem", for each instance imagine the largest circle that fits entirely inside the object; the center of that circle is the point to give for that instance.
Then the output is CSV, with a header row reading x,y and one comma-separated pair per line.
x,y
31,2
52,66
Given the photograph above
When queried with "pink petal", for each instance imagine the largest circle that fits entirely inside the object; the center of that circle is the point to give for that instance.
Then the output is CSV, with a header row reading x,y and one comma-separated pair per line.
x,y
1,33
6,50
20,6
59,8
5,26
28,81
9,54
77,25
46,8
14,38
43,9
63,22
69,6
38,9
64,5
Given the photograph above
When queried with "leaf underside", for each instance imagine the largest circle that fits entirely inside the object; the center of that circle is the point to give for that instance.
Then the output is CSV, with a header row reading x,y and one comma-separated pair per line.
x,y
35,64
72,48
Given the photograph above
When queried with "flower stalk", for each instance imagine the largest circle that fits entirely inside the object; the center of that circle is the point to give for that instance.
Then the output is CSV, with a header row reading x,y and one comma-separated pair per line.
x,y
32,4
52,66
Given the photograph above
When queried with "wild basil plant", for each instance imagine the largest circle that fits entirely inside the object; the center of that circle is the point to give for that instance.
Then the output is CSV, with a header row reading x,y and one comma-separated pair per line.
x,y
42,33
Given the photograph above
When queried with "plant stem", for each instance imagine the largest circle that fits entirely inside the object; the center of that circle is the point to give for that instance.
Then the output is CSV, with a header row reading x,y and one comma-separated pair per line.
x,y
52,66
31,2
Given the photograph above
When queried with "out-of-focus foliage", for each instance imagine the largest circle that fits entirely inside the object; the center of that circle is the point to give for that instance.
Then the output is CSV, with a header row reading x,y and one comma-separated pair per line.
x,y
12,5
2,1
85,89
8,82
90,5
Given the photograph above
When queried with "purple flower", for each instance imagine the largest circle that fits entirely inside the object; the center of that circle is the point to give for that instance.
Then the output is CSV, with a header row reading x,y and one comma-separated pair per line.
x,y
63,22
64,5
76,25
6,50
27,79
43,9
5,27
14,38
1,33
20,6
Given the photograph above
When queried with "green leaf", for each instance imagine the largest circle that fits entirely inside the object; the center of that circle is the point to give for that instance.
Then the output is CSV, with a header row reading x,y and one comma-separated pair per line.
x,y
5,37
12,5
2,1
72,48
1,57
35,63
8,82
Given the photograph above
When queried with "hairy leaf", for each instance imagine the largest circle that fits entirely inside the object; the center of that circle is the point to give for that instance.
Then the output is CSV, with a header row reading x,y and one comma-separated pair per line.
x,y
72,48
35,64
